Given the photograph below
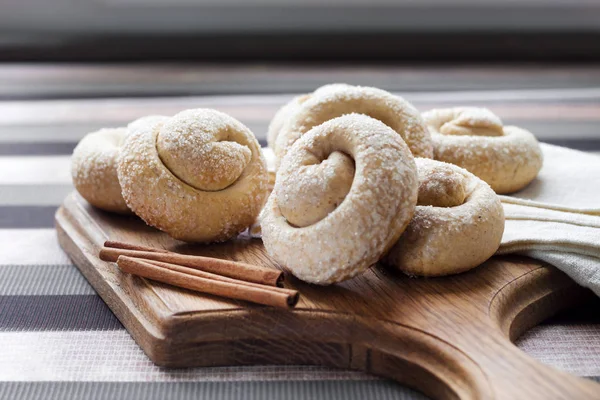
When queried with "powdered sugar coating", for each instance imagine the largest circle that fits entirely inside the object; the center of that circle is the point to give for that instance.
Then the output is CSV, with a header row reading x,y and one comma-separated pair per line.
x,y
94,169
324,185
289,109
441,187
201,148
506,157
168,203
454,238
370,218
281,116
332,101
143,122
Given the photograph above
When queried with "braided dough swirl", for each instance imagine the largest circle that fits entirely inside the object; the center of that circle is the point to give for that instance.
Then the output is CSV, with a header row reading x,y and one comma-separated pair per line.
x,y
94,169
344,194
200,176
506,157
458,223
331,101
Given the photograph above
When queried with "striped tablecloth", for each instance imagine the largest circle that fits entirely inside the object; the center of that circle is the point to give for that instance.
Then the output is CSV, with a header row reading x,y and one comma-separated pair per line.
x,y
60,341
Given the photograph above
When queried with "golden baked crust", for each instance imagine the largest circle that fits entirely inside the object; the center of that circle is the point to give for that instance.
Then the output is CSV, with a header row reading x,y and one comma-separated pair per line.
x,y
336,243
458,223
94,169
335,100
508,158
200,176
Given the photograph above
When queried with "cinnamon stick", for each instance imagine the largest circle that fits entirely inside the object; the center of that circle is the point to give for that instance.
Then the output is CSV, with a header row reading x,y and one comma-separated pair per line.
x,y
231,269
208,275
128,246
265,295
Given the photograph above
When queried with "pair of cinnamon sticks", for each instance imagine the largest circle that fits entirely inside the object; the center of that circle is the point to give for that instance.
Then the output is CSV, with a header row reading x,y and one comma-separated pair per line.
x,y
215,276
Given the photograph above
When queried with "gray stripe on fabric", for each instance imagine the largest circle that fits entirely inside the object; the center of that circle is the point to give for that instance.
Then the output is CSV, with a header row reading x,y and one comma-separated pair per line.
x,y
27,216
36,280
583,144
547,131
282,390
34,194
50,131
45,147
56,313
42,147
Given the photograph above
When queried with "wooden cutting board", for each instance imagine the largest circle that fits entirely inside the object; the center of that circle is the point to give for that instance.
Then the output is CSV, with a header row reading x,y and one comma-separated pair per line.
x,y
447,337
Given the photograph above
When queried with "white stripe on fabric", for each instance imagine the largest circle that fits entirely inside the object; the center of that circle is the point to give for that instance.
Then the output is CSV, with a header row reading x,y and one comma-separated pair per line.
x,y
43,170
114,356
31,246
38,194
34,180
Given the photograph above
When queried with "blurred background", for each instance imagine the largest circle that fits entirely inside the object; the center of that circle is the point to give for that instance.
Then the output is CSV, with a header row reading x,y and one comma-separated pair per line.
x,y
299,30
66,57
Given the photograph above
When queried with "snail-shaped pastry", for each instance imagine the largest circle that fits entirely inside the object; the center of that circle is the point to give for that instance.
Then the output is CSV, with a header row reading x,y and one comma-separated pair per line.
x,y
458,223
94,169
335,100
506,157
281,116
344,194
199,176
290,108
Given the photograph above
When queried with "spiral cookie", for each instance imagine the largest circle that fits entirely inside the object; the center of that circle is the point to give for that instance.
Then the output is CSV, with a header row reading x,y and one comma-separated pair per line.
x,y
94,169
344,194
290,108
281,116
458,223
339,99
199,176
506,157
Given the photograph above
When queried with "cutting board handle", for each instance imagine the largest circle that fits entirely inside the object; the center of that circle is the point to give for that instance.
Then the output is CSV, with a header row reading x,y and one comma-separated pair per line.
x,y
480,361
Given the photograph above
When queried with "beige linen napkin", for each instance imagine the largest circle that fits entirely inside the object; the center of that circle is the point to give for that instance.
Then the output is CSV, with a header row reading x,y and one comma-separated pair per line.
x,y
556,218
568,181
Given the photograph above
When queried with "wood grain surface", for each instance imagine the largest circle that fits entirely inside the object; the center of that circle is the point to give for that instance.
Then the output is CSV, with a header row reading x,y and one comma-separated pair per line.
x,y
447,337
